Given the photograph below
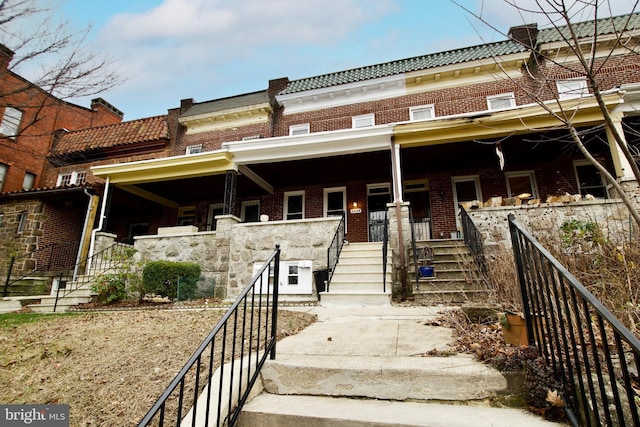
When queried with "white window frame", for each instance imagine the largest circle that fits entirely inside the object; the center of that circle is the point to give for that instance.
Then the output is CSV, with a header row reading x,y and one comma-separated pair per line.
x,y
300,129
211,217
10,125
251,137
325,197
567,88
243,207
532,180
75,178
286,203
577,163
194,149
3,174
28,181
509,96
22,219
363,121
416,112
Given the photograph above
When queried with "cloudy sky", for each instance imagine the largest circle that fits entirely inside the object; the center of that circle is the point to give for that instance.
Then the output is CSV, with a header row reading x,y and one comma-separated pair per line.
x,y
168,50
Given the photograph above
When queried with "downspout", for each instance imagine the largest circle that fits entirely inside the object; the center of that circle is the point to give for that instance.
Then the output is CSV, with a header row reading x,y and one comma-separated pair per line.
x,y
82,249
397,199
103,208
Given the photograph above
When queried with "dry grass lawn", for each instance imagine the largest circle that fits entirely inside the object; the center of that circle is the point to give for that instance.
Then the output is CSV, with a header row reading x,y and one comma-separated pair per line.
x,y
110,367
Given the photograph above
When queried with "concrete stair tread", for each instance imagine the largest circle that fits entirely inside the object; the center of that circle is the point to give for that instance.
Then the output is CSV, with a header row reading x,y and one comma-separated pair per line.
x,y
269,410
453,378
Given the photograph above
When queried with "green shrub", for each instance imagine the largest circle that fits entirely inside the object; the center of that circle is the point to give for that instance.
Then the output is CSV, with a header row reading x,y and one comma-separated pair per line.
x,y
175,280
110,288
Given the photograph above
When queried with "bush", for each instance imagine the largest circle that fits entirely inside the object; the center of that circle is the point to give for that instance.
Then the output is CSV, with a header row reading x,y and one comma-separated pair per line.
x,y
110,288
174,280
124,282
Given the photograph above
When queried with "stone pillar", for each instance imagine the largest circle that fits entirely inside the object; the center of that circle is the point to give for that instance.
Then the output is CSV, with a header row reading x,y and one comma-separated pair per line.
x,y
224,230
399,246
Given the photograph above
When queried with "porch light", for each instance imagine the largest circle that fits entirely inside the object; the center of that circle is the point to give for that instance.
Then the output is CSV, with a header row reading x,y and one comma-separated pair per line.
x,y
354,205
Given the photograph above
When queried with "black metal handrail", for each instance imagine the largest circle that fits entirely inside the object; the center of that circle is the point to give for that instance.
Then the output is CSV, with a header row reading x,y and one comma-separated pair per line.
x,y
214,384
107,261
473,240
385,245
589,350
333,252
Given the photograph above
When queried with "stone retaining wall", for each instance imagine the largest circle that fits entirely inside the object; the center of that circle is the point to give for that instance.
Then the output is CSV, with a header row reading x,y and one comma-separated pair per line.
x,y
611,216
227,255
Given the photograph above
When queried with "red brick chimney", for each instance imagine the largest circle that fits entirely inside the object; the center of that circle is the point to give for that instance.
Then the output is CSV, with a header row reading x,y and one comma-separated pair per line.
x,y
6,55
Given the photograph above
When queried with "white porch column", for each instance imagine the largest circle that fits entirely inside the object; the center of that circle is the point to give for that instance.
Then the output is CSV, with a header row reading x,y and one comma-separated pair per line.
x,y
396,172
620,162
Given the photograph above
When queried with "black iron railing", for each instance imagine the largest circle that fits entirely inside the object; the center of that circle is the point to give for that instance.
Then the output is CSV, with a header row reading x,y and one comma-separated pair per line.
x,y
473,240
590,351
333,252
107,261
214,384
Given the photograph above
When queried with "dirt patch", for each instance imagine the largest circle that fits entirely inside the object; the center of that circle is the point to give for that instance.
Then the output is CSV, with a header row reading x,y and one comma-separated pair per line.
x,y
110,367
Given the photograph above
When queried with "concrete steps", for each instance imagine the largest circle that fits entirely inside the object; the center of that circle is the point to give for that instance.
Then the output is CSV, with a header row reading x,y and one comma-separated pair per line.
x,y
455,276
268,410
369,367
357,279
47,303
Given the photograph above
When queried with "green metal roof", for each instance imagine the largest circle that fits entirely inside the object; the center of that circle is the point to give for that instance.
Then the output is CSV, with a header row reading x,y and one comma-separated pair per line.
x,y
458,56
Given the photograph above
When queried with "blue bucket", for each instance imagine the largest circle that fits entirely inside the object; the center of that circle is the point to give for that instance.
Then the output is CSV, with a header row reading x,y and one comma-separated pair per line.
x,y
426,271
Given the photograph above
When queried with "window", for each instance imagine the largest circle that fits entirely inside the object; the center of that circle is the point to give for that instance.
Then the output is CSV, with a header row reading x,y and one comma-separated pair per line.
x,y
589,180
28,181
572,88
186,215
362,121
501,102
71,178
422,113
251,138
10,122
250,211
21,220
194,149
335,201
3,174
294,205
299,129
215,209
521,182
292,275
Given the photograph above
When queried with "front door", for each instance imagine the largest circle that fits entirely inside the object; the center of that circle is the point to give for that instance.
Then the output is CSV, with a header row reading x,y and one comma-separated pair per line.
x,y
378,196
465,189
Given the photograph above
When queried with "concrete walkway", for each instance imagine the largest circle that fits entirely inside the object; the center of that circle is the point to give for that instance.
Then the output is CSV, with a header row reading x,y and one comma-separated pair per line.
x,y
359,366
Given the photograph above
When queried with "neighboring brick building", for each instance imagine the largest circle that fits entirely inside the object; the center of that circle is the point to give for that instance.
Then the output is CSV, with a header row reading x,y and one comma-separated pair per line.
x,y
30,117
435,131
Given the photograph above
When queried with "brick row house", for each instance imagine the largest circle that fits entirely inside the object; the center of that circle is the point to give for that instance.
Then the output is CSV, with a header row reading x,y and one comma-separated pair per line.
x,y
220,182
30,121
